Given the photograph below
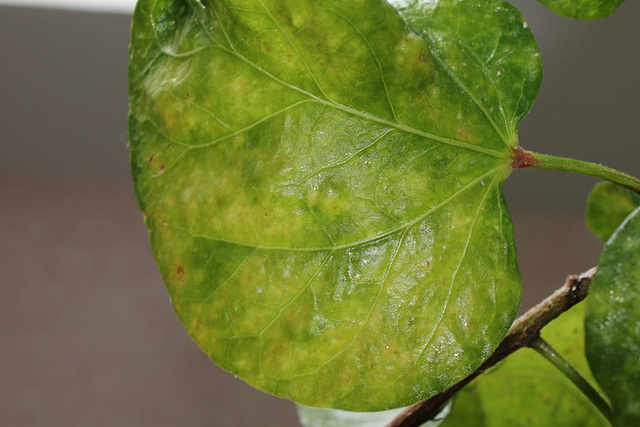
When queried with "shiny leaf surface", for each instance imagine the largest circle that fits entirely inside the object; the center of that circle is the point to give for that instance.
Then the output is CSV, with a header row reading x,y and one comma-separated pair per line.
x,y
527,390
583,9
613,322
608,205
321,181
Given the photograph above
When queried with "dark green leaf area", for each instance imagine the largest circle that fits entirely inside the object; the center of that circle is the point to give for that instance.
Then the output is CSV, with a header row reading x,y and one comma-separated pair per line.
x,y
323,191
608,206
613,322
526,390
583,9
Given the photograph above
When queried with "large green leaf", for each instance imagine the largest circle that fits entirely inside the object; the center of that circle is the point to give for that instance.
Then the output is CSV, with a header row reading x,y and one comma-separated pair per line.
x,y
322,185
613,322
583,9
527,390
608,206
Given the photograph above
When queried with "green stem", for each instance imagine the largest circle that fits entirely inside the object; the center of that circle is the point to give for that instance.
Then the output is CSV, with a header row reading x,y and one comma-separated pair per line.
x,y
549,353
545,161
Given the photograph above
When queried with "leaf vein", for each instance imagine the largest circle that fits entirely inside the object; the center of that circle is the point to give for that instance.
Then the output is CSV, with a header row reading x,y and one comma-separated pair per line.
x,y
457,269
383,284
296,50
304,288
375,57
367,116
351,244
458,82
228,279
348,159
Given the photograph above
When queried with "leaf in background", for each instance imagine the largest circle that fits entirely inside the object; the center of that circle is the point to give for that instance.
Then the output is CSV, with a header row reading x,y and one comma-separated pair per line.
x,y
583,9
608,205
526,389
321,417
322,186
612,322
466,409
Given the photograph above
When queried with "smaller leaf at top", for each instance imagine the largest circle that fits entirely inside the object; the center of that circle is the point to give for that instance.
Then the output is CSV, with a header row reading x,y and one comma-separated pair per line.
x,y
608,205
612,322
583,9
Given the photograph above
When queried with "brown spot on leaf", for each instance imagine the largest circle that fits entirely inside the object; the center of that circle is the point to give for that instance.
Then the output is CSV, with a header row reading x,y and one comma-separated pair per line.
x,y
169,119
180,274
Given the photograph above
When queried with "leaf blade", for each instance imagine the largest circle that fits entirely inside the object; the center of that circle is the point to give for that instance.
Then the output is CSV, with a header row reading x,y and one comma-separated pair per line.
x,y
607,207
583,9
293,215
612,322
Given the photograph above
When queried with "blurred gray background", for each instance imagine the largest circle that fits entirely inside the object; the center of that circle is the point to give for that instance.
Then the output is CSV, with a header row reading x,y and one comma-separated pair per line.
x,y
87,333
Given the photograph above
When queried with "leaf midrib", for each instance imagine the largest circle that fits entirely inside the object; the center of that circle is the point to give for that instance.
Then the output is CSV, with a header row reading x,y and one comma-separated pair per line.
x,y
364,115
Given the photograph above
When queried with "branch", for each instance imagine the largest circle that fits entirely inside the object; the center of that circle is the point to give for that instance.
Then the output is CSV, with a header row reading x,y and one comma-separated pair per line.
x,y
526,328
